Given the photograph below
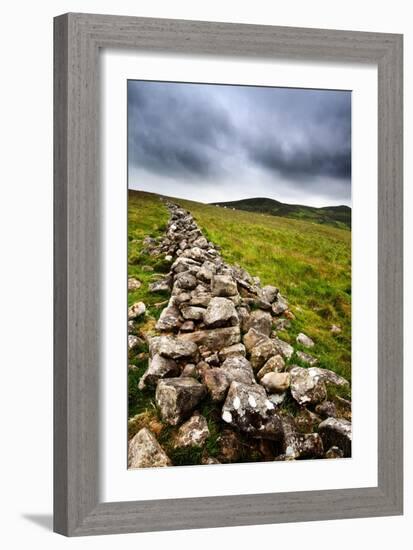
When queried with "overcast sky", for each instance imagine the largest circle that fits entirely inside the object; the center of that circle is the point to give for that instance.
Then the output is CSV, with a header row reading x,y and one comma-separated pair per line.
x,y
213,143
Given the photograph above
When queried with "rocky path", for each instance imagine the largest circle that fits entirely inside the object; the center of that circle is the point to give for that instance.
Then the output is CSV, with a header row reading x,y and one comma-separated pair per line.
x,y
217,341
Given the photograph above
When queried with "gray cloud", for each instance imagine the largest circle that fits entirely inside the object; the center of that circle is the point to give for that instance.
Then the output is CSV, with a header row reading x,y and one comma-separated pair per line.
x,y
230,141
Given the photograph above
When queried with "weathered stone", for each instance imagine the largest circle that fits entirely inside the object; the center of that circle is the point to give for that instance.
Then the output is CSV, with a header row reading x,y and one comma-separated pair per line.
x,y
230,447
201,242
279,306
274,364
281,323
133,341
252,338
306,389
195,253
186,281
306,421
182,298
200,296
220,312
328,376
243,316
276,382
169,319
326,409
334,452
259,320
145,452
213,339
207,271
307,358
194,432
164,285
147,269
239,369
261,353
248,409
223,285
174,348
343,407
304,340
212,360
270,293
216,382
189,370
336,432
232,351
193,313
159,367
133,284
277,398
207,460
183,264
136,310
178,397
300,446
335,329
187,326
282,347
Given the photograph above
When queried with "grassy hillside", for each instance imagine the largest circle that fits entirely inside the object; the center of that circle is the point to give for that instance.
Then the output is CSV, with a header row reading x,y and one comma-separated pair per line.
x,y
310,263
337,216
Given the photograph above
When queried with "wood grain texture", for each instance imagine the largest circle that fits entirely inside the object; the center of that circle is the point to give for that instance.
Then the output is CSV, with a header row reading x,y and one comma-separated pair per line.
x,y
78,38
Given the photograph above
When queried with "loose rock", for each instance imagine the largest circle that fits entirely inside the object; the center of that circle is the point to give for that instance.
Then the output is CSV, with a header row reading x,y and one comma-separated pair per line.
x,y
304,340
194,432
136,310
336,432
144,451
306,388
178,397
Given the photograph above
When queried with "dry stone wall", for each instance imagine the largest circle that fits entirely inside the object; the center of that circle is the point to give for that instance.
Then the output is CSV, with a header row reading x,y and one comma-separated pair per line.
x,y
216,339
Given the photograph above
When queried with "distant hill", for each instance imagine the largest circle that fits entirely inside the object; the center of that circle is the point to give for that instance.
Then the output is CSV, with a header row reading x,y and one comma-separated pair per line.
x,y
337,216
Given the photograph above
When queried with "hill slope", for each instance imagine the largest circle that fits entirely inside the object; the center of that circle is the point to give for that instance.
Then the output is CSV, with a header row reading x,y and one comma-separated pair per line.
x,y
337,216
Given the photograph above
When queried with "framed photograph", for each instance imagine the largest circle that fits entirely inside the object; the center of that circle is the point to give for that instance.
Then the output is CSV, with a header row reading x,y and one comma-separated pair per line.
x,y
228,274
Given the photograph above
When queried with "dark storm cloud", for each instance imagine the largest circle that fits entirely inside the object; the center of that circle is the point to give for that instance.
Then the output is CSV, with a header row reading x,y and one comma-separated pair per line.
x,y
211,133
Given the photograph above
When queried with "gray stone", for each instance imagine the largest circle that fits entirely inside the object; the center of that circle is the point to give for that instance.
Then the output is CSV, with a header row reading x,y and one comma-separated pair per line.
x,y
261,353
281,323
252,338
216,382
307,358
300,446
164,285
159,367
193,433
201,242
178,397
328,376
145,452
279,306
186,281
194,313
232,351
207,271
136,310
259,320
223,285
334,452
326,409
336,432
276,382
306,389
284,348
220,312
274,364
304,340
174,348
187,326
270,293
239,369
133,341
200,296
213,339
190,370
248,409
133,284
243,316
169,319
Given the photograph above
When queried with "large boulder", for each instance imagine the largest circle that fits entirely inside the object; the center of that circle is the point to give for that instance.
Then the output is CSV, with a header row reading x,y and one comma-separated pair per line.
x,y
248,409
178,397
336,432
173,348
306,389
193,433
144,451
213,339
159,367
220,312
223,285
259,320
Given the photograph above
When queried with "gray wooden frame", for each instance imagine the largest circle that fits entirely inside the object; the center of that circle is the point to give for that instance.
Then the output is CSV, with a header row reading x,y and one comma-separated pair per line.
x,y
78,39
